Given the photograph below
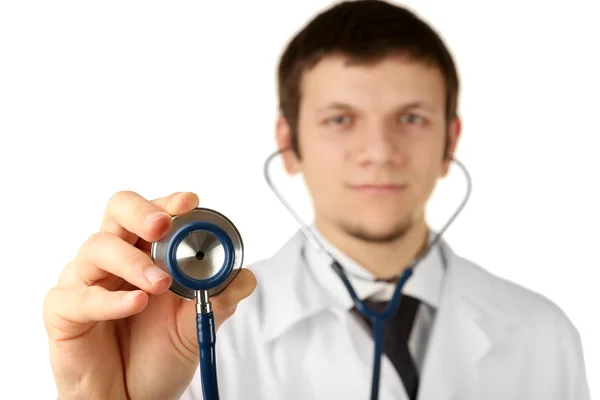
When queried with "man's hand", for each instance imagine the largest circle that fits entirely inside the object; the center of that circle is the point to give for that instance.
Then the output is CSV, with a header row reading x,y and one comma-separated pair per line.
x,y
114,329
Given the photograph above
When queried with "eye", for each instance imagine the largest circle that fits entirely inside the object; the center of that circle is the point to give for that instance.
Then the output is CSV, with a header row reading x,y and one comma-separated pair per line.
x,y
339,120
411,119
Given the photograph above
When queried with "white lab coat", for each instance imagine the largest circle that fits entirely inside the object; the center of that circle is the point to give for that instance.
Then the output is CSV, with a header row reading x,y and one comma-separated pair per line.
x,y
491,340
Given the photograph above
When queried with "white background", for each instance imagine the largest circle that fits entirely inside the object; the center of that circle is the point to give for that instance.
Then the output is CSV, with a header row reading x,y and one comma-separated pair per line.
x,y
158,97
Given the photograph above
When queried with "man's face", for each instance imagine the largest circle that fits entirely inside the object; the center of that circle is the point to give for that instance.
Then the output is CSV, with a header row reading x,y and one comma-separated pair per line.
x,y
371,141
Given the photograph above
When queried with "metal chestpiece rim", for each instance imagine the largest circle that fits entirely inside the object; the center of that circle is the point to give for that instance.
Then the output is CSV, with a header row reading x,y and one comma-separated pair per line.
x,y
164,252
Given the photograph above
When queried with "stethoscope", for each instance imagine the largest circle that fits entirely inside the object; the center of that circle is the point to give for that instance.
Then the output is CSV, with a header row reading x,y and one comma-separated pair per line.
x,y
203,252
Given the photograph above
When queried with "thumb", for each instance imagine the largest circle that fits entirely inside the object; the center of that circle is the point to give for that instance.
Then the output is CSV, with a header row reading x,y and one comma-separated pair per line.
x,y
223,304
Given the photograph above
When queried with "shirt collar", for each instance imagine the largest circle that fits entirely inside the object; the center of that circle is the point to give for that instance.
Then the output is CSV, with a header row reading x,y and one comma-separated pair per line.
x,y
425,283
298,282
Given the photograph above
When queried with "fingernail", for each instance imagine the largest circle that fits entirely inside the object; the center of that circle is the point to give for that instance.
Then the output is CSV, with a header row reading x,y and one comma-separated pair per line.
x,y
181,195
131,296
155,274
150,218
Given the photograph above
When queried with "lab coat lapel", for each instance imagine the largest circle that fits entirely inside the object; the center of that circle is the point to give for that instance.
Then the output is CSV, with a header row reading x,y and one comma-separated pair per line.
x,y
461,335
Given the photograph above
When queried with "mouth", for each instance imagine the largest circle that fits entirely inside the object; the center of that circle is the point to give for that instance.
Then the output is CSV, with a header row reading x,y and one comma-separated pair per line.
x,y
378,189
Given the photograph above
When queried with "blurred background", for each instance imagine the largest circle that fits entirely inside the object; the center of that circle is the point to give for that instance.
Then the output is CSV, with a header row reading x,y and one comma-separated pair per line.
x,y
158,97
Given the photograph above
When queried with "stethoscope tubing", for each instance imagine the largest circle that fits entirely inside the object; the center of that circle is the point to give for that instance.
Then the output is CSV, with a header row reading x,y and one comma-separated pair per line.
x,y
392,305
377,318
205,325
205,322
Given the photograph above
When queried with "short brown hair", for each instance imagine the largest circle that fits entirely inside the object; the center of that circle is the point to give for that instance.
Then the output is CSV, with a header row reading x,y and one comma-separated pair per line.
x,y
364,31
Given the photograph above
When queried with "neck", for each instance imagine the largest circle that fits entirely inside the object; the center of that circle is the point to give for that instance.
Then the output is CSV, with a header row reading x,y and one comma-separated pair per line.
x,y
383,260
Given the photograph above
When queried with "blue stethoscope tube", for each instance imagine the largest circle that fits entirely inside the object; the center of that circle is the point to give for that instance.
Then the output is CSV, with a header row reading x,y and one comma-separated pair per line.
x,y
377,318
205,324
205,321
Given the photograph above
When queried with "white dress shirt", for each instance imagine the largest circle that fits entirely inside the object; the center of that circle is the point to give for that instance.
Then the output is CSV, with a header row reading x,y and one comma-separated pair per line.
x,y
425,285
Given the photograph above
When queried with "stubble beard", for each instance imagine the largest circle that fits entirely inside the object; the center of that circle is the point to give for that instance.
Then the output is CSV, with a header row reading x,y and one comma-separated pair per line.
x,y
399,231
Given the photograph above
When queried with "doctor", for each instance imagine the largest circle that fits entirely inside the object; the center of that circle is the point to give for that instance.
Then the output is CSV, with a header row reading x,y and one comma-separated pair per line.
x,y
368,98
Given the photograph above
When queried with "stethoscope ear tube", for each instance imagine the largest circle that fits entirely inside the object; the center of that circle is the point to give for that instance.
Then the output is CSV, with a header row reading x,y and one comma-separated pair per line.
x,y
376,317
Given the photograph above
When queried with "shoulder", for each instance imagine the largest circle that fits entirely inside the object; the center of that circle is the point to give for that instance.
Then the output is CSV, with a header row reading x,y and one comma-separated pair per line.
x,y
537,327
514,302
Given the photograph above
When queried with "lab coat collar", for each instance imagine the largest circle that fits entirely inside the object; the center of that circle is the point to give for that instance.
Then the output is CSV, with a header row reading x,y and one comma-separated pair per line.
x,y
466,326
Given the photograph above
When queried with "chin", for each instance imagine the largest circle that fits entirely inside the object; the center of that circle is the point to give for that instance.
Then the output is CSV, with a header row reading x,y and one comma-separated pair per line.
x,y
383,231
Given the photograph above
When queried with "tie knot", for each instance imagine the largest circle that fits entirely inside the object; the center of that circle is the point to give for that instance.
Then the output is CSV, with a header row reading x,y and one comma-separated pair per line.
x,y
407,305
376,305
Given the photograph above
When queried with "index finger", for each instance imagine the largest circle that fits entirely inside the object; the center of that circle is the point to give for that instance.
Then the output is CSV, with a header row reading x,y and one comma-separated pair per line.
x,y
129,216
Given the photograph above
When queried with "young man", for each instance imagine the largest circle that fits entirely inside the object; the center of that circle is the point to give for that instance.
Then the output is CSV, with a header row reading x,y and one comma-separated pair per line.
x,y
368,95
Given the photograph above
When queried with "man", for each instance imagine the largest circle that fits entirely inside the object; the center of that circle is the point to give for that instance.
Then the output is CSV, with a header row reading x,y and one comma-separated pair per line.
x,y
368,98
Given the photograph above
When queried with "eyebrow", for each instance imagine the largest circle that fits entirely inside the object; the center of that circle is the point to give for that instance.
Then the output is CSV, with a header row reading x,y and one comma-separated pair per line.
x,y
405,107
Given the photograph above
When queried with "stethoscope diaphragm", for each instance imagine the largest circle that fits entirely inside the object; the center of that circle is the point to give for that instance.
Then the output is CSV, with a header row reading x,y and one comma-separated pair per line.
x,y
203,251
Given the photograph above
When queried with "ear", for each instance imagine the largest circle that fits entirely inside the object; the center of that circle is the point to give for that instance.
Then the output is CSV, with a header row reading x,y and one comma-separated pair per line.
x,y
283,139
454,131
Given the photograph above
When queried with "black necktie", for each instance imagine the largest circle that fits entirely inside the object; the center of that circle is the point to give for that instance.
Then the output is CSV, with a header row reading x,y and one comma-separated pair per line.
x,y
396,332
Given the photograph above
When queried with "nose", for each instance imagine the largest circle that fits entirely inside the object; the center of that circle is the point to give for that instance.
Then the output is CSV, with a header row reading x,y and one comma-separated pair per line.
x,y
377,146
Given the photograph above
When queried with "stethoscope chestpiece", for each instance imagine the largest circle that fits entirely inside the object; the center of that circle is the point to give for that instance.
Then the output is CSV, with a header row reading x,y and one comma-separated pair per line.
x,y
203,251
